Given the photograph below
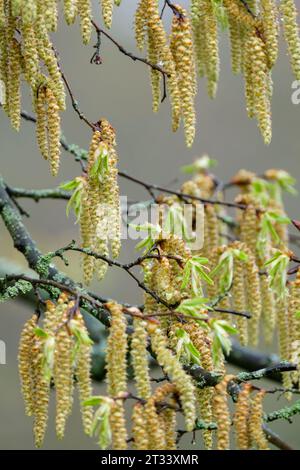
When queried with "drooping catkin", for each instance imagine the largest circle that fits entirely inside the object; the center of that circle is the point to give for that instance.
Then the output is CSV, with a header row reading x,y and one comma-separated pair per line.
x,y
63,378
158,35
70,10
260,86
140,24
241,418
25,359
212,49
118,425
30,53
268,309
294,325
41,121
83,375
284,336
222,414
14,81
249,224
182,50
107,11
139,356
253,297
53,120
156,432
235,31
50,14
199,33
291,33
204,397
139,428
173,368
257,435
29,10
116,363
239,301
85,14
269,16
154,74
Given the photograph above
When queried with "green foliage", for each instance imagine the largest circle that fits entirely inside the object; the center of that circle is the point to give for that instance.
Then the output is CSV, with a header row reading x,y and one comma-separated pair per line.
x,y
195,307
101,166
74,202
224,268
185,349
200,165
221,330
268,231
278,273
194,273
101,426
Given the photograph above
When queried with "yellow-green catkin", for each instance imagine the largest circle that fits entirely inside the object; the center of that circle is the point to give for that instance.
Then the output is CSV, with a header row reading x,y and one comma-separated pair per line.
x,y
182,49
181,380
260,87
41,393
154,74
257,434
241,418
85,14
70,10
239,302
156,432
83,375
29,11
107,11
269,16
41,121
50,14
116,352
25,364
140,24
168,417
199,33
139,428
14,84
236,44
284,337
252,284
116,363
156,29
248,75
291,32
53,119
212,47
47,55
16,6
30,53
222,414
139,356
204,396
294,325
63,378
87,233
118,425
268,308
249,224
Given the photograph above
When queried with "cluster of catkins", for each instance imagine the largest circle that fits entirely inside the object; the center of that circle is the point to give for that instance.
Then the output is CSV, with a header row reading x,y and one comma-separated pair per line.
x,y
193,47
100,202
56,354
26,51
177,56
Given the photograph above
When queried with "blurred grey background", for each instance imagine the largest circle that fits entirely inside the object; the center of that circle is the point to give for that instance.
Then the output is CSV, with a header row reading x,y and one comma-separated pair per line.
x,y
119,90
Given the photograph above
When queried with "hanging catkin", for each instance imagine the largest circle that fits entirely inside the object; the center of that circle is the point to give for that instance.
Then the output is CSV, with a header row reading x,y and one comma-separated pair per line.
x,y
239,301
183,54
139,428
257,435
222,414
291,33
25,359
173,368
253,297
14,82
241,418
53,120
139,356
294,324
116,366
